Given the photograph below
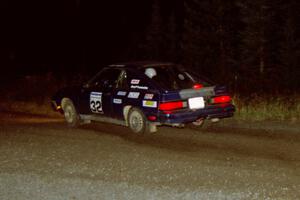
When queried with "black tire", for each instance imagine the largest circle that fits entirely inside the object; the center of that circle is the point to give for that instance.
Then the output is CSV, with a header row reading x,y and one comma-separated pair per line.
x,y
70,113
137,121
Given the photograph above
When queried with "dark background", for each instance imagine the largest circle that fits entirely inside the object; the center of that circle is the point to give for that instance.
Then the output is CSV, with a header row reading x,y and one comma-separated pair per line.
x,y
250,45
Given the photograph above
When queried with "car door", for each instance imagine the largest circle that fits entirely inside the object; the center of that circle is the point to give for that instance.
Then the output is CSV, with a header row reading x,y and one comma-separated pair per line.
x,y
96,96
119,95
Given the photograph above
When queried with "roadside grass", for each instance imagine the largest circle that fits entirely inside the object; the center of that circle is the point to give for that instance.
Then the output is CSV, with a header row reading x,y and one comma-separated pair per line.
x,y
35,108
32,94
272,108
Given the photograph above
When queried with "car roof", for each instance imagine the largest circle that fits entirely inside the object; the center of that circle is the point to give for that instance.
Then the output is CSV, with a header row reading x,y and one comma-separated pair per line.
x,y
139,64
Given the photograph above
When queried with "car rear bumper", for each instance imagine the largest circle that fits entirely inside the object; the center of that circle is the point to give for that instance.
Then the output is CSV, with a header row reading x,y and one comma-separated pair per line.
x,y
220,111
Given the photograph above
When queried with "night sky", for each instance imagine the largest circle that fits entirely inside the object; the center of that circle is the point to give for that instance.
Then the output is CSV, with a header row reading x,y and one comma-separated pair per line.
x,y
234,42
41,35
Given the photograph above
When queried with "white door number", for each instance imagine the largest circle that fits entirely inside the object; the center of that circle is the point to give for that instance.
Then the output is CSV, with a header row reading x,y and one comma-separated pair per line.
x,y
96,102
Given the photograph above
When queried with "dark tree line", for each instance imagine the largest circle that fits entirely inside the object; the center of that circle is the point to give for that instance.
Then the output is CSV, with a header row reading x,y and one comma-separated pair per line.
x,y
252,45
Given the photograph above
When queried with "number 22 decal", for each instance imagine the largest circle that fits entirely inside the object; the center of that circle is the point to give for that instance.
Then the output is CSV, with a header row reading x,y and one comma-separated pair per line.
x,y
96,102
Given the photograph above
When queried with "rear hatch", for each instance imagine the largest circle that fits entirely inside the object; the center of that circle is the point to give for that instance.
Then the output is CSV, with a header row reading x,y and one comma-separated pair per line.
x,y
193,99
182,89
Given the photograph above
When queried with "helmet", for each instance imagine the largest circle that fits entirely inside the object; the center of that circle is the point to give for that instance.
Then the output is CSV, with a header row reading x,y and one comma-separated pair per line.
x,y
150,72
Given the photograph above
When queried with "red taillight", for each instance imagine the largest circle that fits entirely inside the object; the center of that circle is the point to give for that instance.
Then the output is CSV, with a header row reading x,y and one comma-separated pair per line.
x,y
171,105
222,99
152,118
197,86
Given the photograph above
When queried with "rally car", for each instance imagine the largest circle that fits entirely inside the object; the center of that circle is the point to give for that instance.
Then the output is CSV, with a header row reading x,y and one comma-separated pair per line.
x,y
142,96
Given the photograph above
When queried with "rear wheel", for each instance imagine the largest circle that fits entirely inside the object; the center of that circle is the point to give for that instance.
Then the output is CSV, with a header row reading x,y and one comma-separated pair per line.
x,y
70,113
137,121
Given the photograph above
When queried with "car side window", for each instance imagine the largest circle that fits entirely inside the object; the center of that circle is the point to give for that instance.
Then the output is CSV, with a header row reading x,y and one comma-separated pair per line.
x,y
107,78
122,81
137,81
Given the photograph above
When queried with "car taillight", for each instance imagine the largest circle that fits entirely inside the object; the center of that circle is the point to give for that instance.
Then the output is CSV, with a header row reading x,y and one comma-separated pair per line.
x,y
222,99
152,118
197,86
171,105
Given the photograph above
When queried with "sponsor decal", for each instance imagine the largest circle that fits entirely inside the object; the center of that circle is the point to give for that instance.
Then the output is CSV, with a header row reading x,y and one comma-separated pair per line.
x,y
133,95
117,101
96,102
149,96
121,93
139,87
135,81
151,104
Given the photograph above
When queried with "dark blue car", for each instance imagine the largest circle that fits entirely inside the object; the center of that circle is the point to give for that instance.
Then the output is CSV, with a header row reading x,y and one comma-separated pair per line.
x,y
143,96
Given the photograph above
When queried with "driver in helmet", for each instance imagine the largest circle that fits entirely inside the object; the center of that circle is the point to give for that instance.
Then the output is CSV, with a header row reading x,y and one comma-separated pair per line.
x,y
150,72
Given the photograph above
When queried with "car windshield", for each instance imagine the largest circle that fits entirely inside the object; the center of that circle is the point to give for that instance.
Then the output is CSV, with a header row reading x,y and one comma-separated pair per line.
x,y
173,77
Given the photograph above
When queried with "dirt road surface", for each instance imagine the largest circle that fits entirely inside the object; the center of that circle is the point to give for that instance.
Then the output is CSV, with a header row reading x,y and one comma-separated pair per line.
x,y
40,158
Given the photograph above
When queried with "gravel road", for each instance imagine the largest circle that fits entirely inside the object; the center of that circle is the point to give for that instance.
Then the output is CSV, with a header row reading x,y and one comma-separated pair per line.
x,y
40,158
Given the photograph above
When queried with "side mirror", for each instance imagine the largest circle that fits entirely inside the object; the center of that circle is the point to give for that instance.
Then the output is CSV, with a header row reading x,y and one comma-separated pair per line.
x,y
86,85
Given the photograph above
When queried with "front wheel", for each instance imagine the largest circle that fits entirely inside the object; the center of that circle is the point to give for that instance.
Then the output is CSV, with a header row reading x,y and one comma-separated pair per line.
x,y
70,113
137,121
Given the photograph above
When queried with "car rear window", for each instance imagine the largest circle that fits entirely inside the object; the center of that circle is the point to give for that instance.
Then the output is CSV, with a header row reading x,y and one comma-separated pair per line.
x,y
174,77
